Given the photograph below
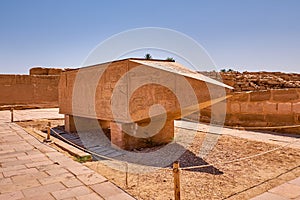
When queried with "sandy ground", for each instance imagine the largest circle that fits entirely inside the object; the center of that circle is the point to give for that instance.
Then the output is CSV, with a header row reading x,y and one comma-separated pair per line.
x,y
240,180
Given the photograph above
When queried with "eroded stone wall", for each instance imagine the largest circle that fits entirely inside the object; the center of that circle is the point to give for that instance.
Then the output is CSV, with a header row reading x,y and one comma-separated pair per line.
x,y
267,108
29,90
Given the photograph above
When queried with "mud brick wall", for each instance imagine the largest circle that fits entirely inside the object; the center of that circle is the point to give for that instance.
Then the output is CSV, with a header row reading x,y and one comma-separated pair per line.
x,y
262,109
29,90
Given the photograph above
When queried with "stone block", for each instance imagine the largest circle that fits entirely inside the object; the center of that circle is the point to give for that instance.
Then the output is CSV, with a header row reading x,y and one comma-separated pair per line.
x,y
251,107
235,108
280,119
285,95
270,108
260,96
284,108
123,140
296,107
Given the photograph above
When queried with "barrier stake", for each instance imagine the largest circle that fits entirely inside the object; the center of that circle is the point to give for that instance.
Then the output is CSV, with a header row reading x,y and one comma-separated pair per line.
x,y
176,175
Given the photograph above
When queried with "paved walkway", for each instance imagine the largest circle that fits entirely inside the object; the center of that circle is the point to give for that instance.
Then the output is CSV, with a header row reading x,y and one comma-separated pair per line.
x,y
33,170
286,191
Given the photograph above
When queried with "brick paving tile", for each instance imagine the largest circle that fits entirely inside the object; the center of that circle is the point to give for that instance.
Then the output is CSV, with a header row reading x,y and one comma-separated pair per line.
x,y
12,154
8,188
44,168
30,192
4,181
25,177
287,190
32,157
45,196
19,172
80,170
56,171
109,191
55,179
71,192
17,162
269,196
33,170
12,195
123,196
39,163
72,182
91,179
91,196
295,181
12,168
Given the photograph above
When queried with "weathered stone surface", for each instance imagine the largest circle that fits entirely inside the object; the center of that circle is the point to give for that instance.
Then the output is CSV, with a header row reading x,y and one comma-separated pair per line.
x,y
285,95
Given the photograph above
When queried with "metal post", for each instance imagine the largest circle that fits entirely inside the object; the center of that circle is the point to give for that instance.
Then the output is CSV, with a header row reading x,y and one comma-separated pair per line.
x,y
176,175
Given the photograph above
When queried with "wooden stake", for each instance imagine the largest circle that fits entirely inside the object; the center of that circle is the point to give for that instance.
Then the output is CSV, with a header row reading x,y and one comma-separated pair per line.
x,y
48,139
176,175
126,175
11,114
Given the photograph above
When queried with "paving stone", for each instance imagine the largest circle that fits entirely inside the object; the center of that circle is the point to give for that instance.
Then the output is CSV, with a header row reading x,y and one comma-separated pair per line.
x,y
269,196
72,182
28,169
44,189
108,190
56,179
286,190
11,154
12,168
80,170
39,163
5,181
45,196
295,181
57,171
123,196
91,179
19,172
12,195
16,162
71,192
25,177
91,196
32,157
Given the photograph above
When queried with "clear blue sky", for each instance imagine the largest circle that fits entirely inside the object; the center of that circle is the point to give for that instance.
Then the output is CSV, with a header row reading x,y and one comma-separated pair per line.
x,y
243,34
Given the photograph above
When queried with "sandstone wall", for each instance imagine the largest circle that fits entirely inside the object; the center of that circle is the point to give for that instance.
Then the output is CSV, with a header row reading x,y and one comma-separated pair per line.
x,y
262,109
29,90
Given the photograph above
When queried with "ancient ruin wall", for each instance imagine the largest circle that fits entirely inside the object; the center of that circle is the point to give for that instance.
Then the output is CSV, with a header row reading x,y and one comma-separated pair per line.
x,y
268,108
29,90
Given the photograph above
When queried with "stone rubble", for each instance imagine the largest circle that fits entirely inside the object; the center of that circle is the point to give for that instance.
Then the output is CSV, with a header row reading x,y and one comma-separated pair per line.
x,y
254,81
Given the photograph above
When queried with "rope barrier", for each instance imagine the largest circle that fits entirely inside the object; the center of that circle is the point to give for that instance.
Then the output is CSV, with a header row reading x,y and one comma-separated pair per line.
x,y
240,159
253,127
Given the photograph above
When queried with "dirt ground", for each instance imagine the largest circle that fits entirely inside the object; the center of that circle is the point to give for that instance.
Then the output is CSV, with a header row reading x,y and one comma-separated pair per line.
x,y
239,180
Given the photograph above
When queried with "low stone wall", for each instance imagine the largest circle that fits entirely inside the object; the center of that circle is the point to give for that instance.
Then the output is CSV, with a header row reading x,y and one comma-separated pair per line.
x,y
262,109
29,90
